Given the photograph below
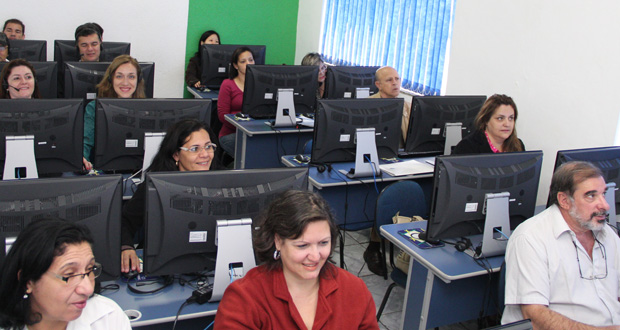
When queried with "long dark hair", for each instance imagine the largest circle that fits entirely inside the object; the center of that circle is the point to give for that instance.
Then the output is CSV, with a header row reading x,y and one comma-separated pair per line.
x,y
176,136
288,216
6,72
204,37
486,112
233,72
28,259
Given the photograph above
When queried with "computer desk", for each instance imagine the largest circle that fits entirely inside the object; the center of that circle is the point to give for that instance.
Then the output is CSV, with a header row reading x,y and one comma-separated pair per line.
x,y
160,307
444,286
261,146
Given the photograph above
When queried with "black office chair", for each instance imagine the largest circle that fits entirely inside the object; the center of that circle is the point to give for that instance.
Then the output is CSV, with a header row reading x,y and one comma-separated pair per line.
x,y
406,198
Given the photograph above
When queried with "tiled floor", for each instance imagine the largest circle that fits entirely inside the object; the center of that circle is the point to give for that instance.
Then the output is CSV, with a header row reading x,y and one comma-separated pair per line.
x,y
355,244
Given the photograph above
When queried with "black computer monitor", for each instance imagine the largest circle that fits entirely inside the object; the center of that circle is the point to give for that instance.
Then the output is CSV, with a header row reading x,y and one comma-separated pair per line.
x,y
46,74
57,126
262,82
215,62
342,81
605,158
30,50
94,201
462,181
121,124
81,78
186,205
66,51
336,121
429,116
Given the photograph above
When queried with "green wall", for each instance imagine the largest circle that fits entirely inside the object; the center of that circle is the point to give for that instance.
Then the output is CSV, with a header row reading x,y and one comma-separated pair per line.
x,y
253,22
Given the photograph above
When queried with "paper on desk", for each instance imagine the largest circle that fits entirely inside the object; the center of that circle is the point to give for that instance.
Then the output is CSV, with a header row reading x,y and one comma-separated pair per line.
x,y
408,167
306,121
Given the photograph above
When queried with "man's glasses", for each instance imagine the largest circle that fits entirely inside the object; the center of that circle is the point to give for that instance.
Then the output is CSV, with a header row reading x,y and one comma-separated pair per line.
x,y
3,48
594,276
194,149
74,280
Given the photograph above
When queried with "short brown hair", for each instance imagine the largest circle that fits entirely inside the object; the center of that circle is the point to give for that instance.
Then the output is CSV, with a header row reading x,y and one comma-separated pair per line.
x,y
6,71
569,175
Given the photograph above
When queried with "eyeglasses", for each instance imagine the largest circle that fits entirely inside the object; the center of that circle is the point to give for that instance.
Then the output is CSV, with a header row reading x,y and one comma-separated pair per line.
x,y
194,149
74,280
2,48
603,252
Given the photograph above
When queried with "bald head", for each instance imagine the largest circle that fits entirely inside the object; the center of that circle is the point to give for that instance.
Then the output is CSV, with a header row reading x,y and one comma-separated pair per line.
x,y
388,82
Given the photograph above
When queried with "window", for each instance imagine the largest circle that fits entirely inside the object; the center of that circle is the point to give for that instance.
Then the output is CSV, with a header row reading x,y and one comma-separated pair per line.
x,y
412,36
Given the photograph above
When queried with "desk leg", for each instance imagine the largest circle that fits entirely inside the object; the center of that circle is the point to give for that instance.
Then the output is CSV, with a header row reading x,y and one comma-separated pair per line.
x,y
240,145
418,297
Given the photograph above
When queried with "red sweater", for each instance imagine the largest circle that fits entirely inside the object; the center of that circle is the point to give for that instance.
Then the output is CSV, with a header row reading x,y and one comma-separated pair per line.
x,y
229,101
260,300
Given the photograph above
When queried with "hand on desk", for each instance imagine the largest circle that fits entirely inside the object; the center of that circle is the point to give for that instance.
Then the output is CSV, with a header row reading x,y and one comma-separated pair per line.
x,y
197,84
129,261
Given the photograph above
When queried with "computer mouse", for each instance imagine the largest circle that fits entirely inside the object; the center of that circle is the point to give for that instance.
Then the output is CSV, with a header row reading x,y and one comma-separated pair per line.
x,y
241,115
302,158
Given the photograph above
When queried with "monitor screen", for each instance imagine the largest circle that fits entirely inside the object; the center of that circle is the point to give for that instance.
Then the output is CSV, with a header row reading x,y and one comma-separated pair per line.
x,y
341,81
65,50
260,96
215,60
186,205
429,116
336,121
461,182
46,74
81,78
606,158
30,50
94,201
57,126
120,125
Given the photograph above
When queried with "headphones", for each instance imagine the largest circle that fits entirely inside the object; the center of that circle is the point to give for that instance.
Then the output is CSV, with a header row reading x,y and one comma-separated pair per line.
x,y
86,30
463,244
321,167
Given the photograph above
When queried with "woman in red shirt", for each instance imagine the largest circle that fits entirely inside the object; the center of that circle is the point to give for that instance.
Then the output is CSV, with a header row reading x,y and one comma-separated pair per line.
x,y
297,287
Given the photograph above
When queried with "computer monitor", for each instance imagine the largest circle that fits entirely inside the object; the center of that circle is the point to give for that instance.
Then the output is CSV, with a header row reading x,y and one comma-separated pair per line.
x,y
81,78
605,158
30,50
215,62
66,51
466,184
55,127
46,74
345,81
290,87
434,119
94,201
184,207
336,122
121,125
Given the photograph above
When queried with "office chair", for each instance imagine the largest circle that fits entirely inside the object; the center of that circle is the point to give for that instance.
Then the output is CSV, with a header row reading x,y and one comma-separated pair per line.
x,y
407,198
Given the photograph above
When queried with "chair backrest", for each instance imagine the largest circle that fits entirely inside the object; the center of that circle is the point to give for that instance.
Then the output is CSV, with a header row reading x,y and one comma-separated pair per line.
x,y
405,197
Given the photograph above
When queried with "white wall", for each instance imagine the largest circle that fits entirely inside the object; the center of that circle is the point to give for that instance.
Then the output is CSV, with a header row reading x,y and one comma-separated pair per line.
x,y
559,60
156,29
308,28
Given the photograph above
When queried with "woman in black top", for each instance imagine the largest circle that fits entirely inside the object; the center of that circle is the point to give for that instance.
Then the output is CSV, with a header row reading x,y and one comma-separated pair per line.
x,y
187,146
495,128
194,67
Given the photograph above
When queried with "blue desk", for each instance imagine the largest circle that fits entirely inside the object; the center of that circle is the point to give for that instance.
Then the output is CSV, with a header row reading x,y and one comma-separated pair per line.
x,y
444,286
261,146
353,200
160,307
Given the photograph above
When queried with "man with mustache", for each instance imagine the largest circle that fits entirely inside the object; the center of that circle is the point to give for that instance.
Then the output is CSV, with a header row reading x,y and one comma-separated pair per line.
x,y
562,264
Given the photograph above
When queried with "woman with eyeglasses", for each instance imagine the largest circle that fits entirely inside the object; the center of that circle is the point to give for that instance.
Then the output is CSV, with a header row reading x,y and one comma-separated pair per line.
x,y
317,60
187,146
48,278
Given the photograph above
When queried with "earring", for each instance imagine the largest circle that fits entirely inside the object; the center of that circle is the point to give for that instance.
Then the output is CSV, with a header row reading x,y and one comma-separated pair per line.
x,y
25,295
176,163
276,255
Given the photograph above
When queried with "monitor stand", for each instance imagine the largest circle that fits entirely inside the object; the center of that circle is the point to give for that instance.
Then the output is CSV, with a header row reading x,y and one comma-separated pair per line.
x,y
610,197
362,92
453,135
285,113
152,141
235,255
365,150
19,161
497,217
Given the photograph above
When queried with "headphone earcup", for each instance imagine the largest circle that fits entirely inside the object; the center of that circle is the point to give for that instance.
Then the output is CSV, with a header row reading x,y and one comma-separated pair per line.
x,y
320,168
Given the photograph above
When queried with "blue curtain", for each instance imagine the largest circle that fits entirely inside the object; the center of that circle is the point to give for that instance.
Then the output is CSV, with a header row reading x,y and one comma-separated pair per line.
x,y
409,35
